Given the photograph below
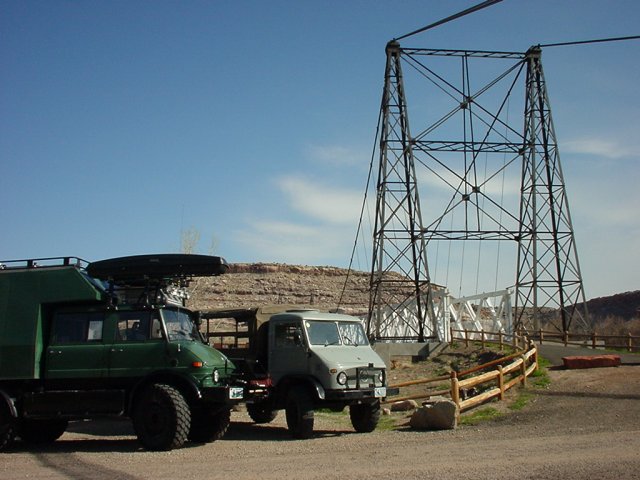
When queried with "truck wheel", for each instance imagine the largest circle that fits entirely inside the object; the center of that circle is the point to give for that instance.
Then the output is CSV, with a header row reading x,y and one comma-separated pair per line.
x,y
261,413
209,425
161,418
41,431
7,428
365,416
299,411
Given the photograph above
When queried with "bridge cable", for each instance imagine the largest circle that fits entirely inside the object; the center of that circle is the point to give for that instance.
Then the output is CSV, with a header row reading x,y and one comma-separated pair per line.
x,y
473,9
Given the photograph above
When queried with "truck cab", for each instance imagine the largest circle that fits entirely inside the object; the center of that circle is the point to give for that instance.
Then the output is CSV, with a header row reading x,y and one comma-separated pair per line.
x,y
300,360
110,338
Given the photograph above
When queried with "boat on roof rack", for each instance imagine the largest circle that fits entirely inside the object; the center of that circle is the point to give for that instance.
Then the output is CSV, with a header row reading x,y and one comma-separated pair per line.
x,y
160,266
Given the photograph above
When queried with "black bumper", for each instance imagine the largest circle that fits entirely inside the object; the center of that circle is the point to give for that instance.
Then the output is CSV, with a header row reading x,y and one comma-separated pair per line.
x,y
228,395
354,395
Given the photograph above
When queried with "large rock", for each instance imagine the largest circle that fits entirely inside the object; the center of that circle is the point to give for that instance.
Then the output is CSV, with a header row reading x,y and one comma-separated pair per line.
x,y
438,413
404,406
593,361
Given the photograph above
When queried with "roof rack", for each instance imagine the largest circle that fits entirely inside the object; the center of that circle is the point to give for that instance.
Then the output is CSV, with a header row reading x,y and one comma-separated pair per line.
x,y
45,262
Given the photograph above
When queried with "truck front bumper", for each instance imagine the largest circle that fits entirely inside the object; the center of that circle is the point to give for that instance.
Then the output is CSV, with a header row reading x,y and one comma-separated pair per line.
x,y
229,395
360,394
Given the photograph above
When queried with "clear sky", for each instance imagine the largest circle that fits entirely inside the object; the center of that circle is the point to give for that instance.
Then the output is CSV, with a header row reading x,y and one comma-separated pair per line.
x,y
125,123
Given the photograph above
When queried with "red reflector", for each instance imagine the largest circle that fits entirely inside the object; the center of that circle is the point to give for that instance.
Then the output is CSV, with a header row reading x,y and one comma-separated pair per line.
x,y
196,364
262,383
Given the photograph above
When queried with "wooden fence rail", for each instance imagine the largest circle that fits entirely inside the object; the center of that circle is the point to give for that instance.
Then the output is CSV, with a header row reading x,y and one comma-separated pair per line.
x,y
628,342
507,372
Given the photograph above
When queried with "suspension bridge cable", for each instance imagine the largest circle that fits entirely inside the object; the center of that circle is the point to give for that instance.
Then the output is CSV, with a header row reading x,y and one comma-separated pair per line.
x,y
475,8
364,203
585,42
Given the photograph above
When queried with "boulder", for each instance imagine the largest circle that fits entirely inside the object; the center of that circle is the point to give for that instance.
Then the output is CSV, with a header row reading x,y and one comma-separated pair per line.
x,y
404,406
593,361
438,413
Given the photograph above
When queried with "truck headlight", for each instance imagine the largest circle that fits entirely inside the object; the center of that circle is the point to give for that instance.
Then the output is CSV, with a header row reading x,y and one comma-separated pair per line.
x,y
342,378
215,375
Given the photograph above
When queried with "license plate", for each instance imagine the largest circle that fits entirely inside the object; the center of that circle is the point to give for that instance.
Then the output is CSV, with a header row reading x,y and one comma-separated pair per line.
x,y
380,392
236,393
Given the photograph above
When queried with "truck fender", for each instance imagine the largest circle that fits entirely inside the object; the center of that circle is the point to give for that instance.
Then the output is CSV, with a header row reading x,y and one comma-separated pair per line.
x,y
311,382
319,388
186,386
6,399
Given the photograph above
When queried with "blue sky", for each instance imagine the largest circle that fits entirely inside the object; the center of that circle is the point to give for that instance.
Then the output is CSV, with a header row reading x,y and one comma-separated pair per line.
x,y
124,123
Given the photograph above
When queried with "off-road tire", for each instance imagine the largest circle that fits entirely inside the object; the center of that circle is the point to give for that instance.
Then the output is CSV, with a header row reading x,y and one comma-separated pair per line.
x,y
161,418
41,432
7,428
261,413
299,412
365,416
209,425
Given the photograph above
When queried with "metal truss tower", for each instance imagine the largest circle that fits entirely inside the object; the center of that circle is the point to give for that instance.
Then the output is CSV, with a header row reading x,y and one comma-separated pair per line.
x,y
399,273
548,267
538,224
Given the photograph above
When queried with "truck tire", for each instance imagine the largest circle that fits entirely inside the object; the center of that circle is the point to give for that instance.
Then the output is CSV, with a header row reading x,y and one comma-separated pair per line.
x,y
261,413
299,412
161,418
7,428
209,425
365,416
41,431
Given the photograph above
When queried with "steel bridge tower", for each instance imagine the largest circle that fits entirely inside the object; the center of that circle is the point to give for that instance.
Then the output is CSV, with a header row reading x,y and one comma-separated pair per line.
x,y
548,276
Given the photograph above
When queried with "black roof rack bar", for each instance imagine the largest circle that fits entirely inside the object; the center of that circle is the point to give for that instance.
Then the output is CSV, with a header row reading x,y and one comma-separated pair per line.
x,y
44,262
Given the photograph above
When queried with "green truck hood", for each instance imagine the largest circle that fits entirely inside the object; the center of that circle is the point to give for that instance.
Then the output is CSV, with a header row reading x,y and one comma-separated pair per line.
x,y
211,357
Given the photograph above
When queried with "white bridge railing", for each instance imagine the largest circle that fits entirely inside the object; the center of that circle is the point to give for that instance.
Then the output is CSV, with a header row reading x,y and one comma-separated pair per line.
x,y
491,312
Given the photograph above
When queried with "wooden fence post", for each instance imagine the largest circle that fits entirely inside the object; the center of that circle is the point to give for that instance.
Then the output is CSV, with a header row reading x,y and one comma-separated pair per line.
x,y
565,338
500,340
593,340
466,337
523,371
482,338
501,382
451,335
455,389
541,336
629,342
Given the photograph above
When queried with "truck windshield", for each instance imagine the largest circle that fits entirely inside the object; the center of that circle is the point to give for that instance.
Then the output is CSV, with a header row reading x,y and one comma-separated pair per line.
x,y
179,325
352,333
335,333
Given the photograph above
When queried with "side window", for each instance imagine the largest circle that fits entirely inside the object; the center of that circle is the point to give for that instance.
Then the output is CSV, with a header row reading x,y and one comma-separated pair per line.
x,y
138,326
288,335
79,327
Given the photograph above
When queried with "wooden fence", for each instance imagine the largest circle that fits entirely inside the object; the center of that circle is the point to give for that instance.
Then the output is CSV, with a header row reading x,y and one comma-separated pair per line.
x,y
630,343
470,388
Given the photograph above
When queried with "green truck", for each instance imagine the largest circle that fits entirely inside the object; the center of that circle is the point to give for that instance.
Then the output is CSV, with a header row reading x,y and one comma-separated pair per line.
x,y
301,360
84,340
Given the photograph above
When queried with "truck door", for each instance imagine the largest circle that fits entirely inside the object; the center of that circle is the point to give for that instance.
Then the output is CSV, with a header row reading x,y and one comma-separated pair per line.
x,y
138,347
288,352
76,348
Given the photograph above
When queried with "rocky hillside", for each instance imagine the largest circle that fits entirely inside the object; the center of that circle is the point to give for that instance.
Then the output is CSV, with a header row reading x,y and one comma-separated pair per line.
x,y
328,288
247,285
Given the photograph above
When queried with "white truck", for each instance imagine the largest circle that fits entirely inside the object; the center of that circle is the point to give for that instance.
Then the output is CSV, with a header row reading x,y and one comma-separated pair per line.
x,y
300,361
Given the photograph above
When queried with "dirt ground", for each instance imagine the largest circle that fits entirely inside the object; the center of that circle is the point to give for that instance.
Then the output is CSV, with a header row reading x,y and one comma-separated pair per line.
x,y
585,425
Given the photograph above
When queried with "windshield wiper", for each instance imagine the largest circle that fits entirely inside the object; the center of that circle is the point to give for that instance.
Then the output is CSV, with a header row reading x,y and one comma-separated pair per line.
x,y
348,340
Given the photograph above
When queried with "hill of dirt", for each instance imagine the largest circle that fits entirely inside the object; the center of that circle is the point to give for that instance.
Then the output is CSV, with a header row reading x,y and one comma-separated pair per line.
x,y
330,288
247,285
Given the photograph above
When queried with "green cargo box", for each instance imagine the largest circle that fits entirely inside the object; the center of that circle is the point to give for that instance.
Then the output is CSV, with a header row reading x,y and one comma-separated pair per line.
x,y
25,295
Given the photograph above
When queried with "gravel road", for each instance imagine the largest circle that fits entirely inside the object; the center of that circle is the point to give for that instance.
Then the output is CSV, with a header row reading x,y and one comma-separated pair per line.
x,y
586,425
